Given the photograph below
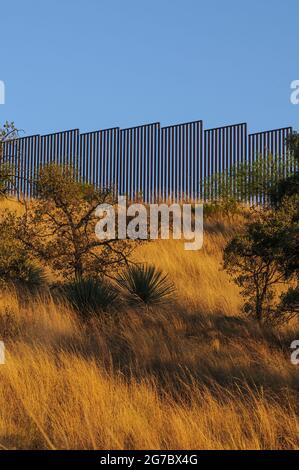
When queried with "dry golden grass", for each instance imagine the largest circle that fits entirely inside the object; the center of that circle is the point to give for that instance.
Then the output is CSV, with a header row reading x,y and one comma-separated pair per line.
x,y
193,376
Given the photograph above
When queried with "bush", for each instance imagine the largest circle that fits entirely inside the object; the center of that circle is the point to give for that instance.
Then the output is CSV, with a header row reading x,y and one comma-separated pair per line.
x,y
31,277
16,267
266,255
24,276
145,285
89,296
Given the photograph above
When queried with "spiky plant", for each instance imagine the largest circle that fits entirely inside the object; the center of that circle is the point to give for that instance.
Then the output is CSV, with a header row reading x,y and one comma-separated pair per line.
x,y
35,277
27,278
146,285
90,296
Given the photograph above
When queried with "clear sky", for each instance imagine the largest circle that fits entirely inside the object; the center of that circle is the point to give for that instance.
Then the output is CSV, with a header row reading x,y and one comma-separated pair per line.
x,y
102,63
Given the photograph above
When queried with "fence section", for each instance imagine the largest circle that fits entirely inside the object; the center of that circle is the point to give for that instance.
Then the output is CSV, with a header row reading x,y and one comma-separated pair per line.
x,y
181,164
149,162
139,157
24,156
268,152
274,142
225,148
60,148
98,157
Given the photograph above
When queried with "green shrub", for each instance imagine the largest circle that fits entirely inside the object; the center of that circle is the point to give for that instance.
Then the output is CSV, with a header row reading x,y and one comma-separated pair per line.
x,y
266,255
16,267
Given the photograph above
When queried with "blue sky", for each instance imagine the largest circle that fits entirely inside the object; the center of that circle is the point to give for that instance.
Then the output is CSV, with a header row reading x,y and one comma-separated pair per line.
x,y
102,63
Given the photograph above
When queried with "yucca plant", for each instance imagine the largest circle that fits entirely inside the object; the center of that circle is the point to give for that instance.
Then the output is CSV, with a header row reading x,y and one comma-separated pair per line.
x,y
146,285
28,277
34,277
90,296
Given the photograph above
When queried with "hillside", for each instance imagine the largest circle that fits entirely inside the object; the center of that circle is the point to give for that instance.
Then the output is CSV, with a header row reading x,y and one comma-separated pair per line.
x,y
193,375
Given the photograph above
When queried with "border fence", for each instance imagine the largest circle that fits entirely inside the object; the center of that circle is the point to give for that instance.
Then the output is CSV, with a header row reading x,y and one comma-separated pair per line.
x,y
146,162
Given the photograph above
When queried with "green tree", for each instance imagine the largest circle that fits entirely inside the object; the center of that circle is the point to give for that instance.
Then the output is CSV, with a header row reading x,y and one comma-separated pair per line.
x,y
267,252
264,255
59,226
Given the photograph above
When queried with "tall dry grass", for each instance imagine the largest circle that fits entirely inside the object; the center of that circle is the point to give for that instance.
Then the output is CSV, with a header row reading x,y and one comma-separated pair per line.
x,y
194,375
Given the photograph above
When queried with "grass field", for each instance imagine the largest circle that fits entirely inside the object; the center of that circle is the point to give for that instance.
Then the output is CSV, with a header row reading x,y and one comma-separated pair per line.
x,y
194,375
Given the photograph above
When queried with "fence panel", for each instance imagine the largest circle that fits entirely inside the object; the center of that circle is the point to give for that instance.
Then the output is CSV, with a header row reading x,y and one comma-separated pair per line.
x,y
23,154
139,161
181,162
270,147
225,147
269,142
60,147
98,157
